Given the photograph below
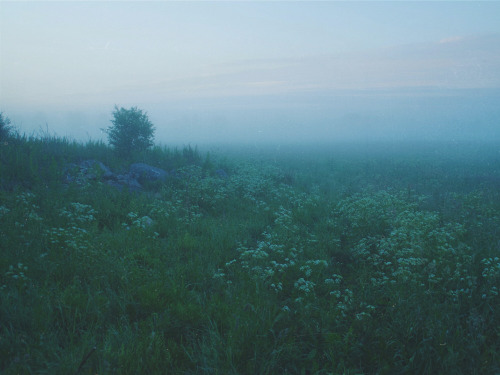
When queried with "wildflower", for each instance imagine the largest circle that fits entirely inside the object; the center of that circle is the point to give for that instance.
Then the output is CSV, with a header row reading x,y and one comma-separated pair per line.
x,y
3,211
319,262
335,293
334,280
307,270
304,285
362,315
277,287
219,274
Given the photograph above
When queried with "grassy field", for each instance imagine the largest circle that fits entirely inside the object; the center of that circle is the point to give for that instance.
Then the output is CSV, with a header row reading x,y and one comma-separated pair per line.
x,y
361,259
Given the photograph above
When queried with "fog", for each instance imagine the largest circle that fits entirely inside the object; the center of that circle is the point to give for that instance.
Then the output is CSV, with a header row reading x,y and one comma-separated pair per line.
x,y
279,73
336,116
423,115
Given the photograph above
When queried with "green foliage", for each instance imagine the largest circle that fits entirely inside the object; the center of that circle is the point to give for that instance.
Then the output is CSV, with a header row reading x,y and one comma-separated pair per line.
x,y
325,265
5,127
132,131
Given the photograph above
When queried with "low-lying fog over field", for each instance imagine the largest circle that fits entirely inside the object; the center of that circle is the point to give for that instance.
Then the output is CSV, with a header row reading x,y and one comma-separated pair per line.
x,y
205,187
274,72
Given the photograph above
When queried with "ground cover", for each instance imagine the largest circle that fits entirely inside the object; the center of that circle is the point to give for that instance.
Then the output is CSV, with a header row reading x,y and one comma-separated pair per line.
x,y
335,260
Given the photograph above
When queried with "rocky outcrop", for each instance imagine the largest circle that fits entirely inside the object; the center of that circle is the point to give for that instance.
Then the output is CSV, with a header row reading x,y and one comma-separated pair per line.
x,y
121,181
94,170
138,174
146,172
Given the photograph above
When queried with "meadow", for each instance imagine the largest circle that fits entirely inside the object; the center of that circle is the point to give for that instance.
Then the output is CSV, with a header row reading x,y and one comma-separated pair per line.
x,y
334,259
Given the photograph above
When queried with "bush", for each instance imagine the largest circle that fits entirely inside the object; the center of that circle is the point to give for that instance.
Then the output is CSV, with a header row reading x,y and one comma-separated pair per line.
x,y
5,127
131,131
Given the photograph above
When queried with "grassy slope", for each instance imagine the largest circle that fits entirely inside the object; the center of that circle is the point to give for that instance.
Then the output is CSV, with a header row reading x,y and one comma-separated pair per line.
x,y
338,261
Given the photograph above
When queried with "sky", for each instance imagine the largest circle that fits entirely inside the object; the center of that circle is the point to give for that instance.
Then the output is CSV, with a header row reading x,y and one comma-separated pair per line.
x,y
277,71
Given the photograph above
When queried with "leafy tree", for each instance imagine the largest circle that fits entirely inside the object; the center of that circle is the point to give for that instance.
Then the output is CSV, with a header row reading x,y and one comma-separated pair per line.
x,y
5,127
130,131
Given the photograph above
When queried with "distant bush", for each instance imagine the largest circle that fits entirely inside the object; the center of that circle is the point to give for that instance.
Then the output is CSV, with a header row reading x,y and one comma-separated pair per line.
x,y
5,127
131,131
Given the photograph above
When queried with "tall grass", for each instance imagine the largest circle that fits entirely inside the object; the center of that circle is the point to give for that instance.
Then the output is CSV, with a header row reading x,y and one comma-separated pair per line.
x,y
336,261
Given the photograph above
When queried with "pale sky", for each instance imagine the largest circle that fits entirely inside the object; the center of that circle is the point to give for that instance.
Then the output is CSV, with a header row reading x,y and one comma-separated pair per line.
x,y
89,56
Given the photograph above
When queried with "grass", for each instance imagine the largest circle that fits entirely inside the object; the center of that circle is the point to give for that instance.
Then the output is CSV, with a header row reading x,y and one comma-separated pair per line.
x,y
343,260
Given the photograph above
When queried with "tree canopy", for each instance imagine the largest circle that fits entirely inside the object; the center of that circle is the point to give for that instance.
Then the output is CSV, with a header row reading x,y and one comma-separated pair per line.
x,y
131,131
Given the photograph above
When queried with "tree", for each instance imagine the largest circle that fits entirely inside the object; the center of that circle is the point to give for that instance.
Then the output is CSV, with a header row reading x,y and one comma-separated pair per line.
x,y
130,131
5,127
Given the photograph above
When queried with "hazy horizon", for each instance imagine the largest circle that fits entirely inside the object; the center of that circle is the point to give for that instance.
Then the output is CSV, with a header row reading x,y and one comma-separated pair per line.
x,y
232,72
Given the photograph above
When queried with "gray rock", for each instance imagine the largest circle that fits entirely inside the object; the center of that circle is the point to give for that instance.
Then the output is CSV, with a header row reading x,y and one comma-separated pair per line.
x,y
95,170
121,181
142,171
221,173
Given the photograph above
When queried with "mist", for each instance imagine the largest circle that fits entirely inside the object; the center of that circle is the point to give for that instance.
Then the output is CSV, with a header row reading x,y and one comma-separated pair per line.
x,y
322,194
319,117
278,73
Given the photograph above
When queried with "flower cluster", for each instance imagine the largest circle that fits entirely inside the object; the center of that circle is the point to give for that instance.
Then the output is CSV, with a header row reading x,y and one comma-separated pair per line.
x,y
3,211
418,251
136,221
69,238
304,286
17,274
79,219
142,224
491,273
25,202
491,268
78,213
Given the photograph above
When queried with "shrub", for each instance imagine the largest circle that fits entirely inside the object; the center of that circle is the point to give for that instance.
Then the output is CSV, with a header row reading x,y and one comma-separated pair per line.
x,y
131,131
5,127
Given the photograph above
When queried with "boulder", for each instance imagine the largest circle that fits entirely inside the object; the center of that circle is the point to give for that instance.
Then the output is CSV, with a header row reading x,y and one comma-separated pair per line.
x,y
221,173
121,181
95,170
145,172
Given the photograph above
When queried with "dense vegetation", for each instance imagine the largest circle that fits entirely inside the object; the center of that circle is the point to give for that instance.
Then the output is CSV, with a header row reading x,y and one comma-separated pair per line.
x,y
343,260
131,131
